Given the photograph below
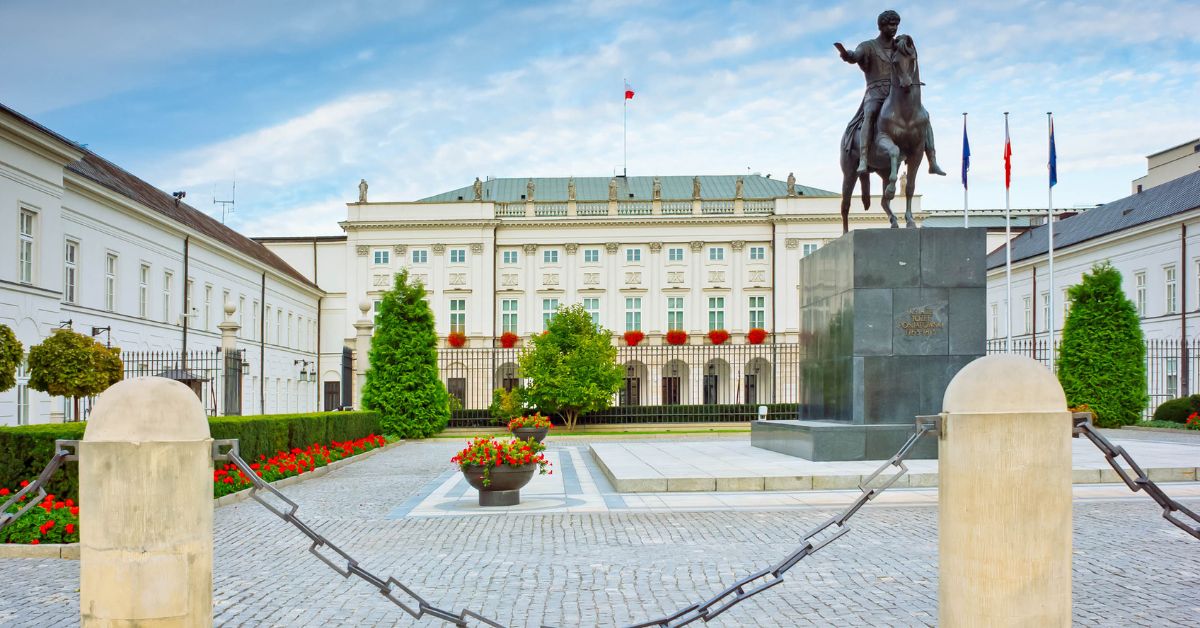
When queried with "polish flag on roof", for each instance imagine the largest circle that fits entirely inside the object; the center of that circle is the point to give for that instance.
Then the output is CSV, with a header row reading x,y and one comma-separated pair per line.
x,y
628,91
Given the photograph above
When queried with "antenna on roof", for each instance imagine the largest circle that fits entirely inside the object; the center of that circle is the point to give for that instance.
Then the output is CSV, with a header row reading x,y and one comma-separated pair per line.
x,y
229,205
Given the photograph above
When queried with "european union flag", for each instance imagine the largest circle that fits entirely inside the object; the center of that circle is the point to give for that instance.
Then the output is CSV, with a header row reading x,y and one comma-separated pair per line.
x,y
966,164
1053,156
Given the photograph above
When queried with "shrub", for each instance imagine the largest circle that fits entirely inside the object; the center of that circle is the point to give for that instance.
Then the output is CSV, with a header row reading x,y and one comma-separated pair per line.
x,y
572,369
677,337
756,336
53,520
1175,410
402,379
1102,359
506,405
718,336
633,337
11,353
27,449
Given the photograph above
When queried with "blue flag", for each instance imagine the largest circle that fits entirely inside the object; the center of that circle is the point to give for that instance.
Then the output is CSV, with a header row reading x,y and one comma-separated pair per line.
x,y
1053,156
966,163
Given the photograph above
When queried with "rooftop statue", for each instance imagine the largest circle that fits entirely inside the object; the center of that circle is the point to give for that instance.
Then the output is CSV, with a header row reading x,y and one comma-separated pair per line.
x,y
612,189
890,125
362,190
571,189
696,188
739,188
657,194
478,187
791,184
529,189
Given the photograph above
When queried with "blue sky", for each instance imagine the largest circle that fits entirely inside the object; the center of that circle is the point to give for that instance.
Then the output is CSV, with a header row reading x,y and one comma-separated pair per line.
x,y
298,101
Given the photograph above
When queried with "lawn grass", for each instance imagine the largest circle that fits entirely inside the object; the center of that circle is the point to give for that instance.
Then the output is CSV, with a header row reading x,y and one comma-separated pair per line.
x,y
1170,425
598,433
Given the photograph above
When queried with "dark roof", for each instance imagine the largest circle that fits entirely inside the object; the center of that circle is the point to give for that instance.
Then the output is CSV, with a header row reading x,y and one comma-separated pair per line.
x,y
551,189
1167,199
113,177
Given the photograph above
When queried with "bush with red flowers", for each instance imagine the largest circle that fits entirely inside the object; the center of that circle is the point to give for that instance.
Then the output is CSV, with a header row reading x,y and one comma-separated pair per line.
x,y
633,337
493,452
508,340
52,521
285,464
457,339
676,337
718,336
1193,421
537,421
756,336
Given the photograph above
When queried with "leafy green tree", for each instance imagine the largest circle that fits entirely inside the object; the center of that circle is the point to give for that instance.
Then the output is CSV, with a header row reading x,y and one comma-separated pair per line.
x,y
1102,362
11,352
572,368
402,379
68,364
507,404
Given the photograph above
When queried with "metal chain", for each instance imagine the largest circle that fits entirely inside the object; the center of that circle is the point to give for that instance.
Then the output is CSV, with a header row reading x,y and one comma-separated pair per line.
x,y
64,451
413,604
836,527
1084,427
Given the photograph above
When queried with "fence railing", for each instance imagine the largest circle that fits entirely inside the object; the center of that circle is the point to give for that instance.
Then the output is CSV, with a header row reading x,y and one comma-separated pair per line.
x,y
1171,364
662,383
206,372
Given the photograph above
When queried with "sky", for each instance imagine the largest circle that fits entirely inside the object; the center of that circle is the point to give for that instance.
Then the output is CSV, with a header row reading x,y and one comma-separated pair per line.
x,y
298,101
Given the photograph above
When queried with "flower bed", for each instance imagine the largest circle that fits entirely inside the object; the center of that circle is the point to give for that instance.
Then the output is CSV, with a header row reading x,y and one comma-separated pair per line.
x,y
537,421
633,337
493,452
756,336
457,339
718,336
54,521
508,340
677,337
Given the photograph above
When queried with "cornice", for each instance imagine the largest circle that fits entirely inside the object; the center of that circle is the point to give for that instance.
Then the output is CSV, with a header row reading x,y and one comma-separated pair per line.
x,y
588,221
378,225
37,141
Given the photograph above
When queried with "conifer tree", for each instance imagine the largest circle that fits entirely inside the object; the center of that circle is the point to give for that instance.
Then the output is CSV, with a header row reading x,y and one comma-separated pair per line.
x,y
1102,361
402,379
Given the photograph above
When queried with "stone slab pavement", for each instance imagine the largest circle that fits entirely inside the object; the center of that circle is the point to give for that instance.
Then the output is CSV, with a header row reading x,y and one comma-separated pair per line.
x,y
1131,568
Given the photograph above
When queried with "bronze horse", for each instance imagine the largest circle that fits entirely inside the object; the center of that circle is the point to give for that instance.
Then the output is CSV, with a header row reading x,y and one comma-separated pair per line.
x,y
903,133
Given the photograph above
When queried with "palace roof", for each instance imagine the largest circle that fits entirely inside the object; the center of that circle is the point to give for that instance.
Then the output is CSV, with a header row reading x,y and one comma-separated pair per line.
x,y
551,189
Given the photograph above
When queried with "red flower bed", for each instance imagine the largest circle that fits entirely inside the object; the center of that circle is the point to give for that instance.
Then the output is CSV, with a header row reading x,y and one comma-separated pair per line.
x,y
677,337
508,340
493,452
633,337
51,521
456,339
285,464
756,336
718,336
536,421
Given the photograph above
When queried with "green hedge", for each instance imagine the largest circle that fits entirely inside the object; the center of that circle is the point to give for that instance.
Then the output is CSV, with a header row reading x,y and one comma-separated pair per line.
x,y
697,413
25,450
1177,410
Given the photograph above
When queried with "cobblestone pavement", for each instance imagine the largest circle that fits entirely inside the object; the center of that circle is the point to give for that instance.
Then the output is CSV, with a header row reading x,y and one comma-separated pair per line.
x,y
1131,567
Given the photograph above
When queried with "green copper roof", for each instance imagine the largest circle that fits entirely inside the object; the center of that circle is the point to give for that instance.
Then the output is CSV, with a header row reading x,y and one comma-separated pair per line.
x,y
550,189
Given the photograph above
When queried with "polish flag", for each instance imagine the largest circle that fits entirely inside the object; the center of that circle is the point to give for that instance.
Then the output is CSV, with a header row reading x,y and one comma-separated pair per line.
x,y
1007,157
628,91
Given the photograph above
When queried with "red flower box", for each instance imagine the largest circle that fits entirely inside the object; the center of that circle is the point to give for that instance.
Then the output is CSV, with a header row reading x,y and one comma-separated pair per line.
x,y
677,337
633,337
756,336
508,340
456,339
718,336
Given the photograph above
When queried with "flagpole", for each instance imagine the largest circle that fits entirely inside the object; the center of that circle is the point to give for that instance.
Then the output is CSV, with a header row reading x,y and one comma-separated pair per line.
x,y
966,156
1052,164
1007,239
625,130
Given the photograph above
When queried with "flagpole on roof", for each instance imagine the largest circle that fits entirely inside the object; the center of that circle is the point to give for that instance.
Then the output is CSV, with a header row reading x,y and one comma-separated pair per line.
x,y
1007,238
966,165
625,130
1053,166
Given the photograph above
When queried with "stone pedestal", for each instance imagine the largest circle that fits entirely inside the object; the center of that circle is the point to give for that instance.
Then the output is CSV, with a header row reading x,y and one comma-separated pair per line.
x,y
888,317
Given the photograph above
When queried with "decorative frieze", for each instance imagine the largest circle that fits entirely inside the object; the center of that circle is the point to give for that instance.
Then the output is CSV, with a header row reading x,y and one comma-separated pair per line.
x,y
697,246
400,249
381,280
758,276
792,243
655,247
420,278
438,249
476,249
633,278
508,280
571,248
737,245
362,250
529,249
612,247
591,279
675,277
550,279
716,276
458,279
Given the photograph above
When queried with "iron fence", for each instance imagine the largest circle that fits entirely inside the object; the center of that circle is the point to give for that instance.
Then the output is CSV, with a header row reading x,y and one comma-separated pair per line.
x,y
662,383
215,376
1171,364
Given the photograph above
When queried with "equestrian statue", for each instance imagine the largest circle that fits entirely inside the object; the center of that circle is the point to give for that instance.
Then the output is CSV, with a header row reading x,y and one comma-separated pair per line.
x,y
891,126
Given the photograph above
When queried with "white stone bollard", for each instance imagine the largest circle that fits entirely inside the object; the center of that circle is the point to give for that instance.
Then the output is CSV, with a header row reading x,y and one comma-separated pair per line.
x,y
1004,519
146,514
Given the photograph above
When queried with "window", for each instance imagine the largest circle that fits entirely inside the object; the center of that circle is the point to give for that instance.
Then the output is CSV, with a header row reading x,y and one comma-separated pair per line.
x,y
168,277
458,256
758,253
633,313
1172,378
1066,303
716,253
592,306
674,313
25,255
1170,288
458,315
1028,302
758,312
376,306
808,249
110,282
144,291
1045,311
279,324
675,254
253,335
716,313
288,339
508,315
189,299
550,256
23,392
242,316
267,320
633,255
70,271
995,320
591,256
1139,292
420,256
208,305
382,256
510,257
549,308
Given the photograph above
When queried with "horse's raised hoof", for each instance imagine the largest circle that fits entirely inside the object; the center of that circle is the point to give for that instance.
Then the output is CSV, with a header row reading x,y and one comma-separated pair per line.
x,y
895,225
934,169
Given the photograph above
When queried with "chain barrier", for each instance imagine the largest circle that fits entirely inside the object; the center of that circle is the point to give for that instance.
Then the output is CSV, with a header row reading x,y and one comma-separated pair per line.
x,y
835,527
413,604
1142,482
64,451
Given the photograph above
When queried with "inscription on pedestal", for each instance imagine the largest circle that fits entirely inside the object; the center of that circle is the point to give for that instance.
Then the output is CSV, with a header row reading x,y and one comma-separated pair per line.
x,y
921,323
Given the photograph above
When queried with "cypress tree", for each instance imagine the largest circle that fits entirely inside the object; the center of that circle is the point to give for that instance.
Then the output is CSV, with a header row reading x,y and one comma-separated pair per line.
x,y
402,379
1102,360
